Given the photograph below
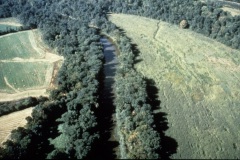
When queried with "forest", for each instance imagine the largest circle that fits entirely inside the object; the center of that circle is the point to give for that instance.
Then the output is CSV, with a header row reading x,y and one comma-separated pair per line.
x,y
66,125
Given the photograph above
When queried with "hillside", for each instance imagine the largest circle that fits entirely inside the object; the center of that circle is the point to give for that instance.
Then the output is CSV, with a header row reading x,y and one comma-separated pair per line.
x,y
197,80
173,93
27,66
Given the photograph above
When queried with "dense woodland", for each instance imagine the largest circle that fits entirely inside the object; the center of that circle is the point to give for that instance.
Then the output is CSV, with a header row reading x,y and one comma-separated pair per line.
x,y
67,125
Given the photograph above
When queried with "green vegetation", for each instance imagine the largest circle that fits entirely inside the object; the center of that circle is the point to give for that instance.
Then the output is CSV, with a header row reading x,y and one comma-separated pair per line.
x,y
72,115
5,27
12,106
198,82
18,45
23,75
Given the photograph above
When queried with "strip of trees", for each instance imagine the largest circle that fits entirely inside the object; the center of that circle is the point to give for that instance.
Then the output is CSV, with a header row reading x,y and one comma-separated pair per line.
x,y
66,125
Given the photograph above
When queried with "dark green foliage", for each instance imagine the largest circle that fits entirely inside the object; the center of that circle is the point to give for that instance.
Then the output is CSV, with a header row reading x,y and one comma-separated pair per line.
x,y
135,123
205,18
12,106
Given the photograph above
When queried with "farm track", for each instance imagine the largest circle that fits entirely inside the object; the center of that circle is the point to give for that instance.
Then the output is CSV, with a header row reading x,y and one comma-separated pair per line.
x,y
10,86
12,121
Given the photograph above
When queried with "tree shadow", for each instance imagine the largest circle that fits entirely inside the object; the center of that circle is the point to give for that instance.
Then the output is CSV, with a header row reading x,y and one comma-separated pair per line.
x,y
134,47
107,143
168,144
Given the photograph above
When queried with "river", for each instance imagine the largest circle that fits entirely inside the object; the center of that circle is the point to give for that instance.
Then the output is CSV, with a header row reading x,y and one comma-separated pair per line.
x,y
107,148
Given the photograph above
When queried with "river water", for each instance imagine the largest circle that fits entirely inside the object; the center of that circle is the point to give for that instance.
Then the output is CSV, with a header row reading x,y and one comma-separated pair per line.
x,y
107,147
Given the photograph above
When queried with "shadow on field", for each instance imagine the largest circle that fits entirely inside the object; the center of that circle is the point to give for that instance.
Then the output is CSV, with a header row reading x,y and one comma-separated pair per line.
x,y
134,48
168,144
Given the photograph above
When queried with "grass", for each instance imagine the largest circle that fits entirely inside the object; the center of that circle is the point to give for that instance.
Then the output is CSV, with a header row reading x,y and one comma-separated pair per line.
x,y
27,65
198,82
17,45
28,75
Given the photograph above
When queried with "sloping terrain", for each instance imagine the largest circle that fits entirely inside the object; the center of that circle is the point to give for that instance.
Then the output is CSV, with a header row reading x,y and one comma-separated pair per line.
x,y
27,66
198,82
12,121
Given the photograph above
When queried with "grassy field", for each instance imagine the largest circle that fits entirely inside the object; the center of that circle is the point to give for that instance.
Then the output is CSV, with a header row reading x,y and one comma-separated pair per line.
x,y
18,45
12,121
26,64
198,82
28,75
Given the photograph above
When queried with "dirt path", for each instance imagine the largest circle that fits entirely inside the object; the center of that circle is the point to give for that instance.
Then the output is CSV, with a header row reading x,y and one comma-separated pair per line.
x,y
12,121
9,85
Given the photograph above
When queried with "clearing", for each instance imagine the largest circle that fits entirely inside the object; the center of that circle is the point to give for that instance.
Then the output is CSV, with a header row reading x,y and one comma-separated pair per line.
x,y
28,67
13,121
198,81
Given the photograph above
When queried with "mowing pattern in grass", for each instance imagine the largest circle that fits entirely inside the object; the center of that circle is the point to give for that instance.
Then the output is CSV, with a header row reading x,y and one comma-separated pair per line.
x,y
198,81
23,75
18,45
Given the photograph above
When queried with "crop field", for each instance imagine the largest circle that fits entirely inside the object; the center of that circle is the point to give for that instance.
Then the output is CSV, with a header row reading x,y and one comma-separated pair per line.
x,y
198,85
12,121
26,65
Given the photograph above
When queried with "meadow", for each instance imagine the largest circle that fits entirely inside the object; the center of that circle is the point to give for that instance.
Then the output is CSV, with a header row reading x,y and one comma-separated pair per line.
x,y
26,65
28,75
198,85
18,45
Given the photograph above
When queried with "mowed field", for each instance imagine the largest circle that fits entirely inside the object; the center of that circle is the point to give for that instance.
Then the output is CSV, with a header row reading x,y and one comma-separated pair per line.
x,y
198,82
13,121
27,66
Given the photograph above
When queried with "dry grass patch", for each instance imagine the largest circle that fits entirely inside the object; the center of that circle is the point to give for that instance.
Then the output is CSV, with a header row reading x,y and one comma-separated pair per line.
x,y
198,81
12,121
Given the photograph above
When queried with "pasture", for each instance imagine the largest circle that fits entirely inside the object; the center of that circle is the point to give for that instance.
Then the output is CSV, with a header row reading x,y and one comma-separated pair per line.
x,y
26,65
28,75
198,85
21,45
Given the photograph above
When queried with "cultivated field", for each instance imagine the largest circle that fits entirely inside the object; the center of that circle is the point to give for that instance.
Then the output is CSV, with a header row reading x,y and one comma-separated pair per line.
x,y
198,81
12,121
27,66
